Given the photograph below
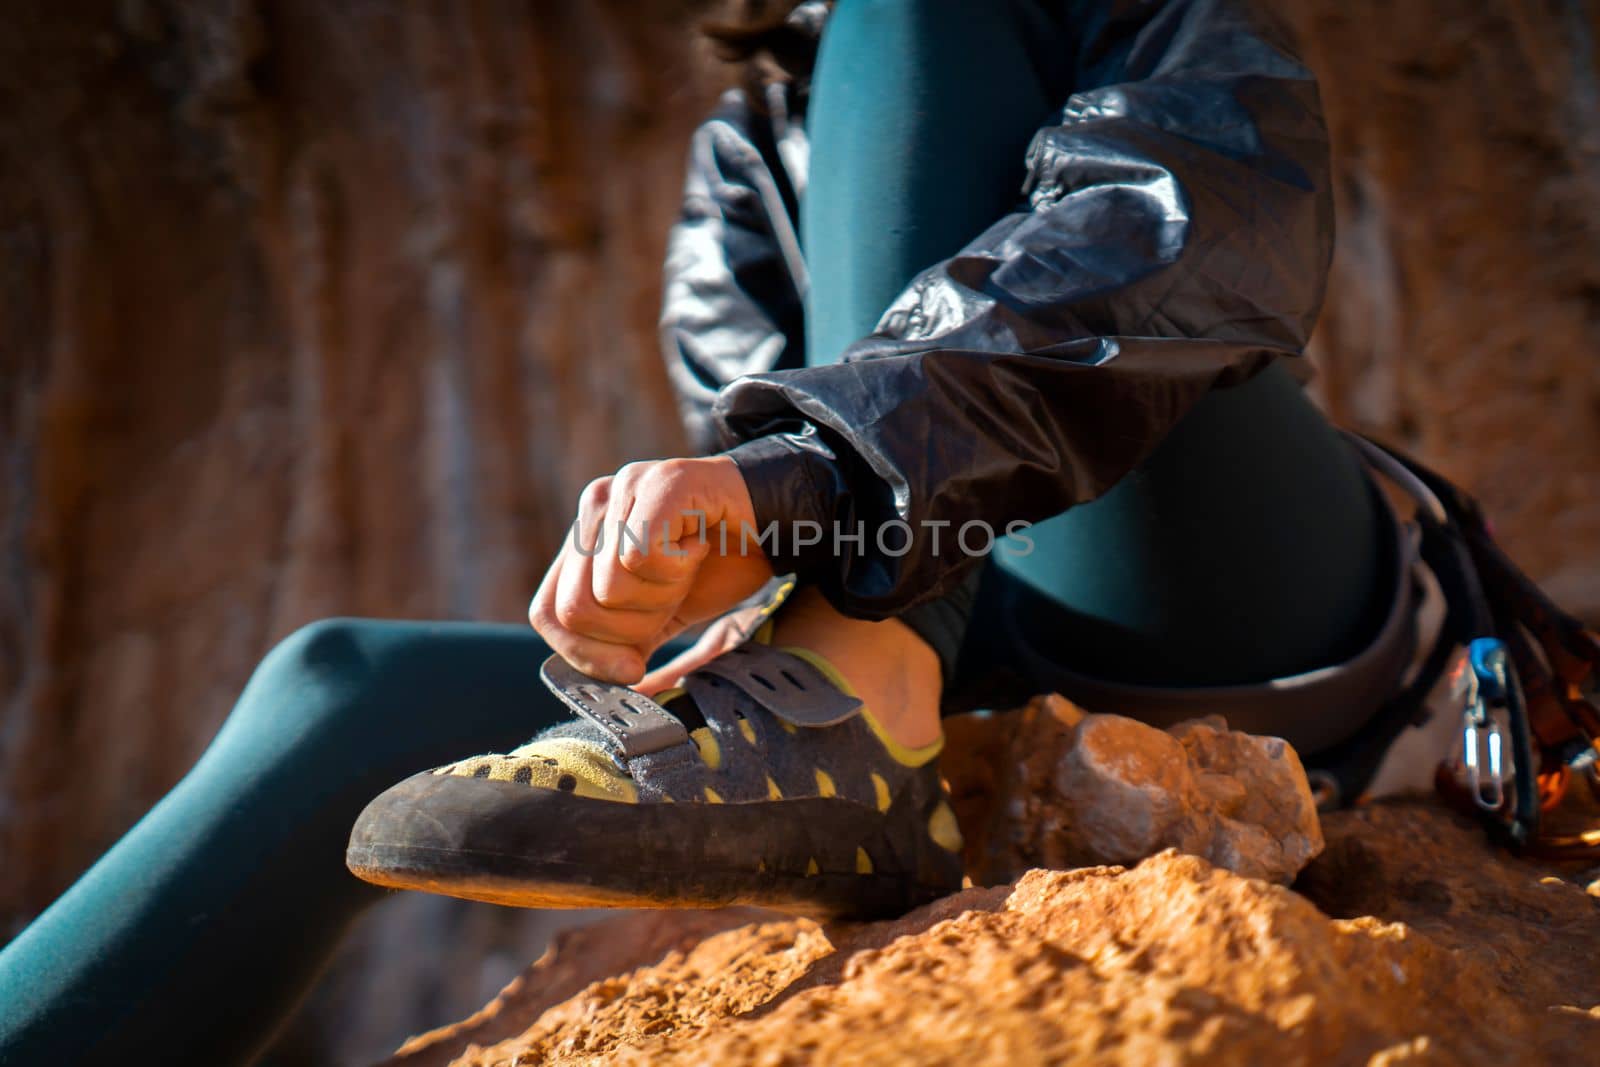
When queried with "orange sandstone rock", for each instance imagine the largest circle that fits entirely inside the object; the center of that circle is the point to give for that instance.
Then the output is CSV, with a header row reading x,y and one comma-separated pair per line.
x,y
1409,941
1052,786
1430,948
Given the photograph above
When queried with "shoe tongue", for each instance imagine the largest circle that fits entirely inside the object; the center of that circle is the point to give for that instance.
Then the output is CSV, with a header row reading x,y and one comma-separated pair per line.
x,y
686,711
577,730
586,732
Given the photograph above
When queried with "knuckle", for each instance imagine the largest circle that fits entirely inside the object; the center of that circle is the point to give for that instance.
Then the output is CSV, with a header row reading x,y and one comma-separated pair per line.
x,y
596,493
676,474
544,620
570,613
609,592
631,474
670,469
636,562
573,652
637,546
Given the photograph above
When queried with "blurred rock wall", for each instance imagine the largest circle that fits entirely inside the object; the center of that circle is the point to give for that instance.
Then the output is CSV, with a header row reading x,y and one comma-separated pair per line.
x,y
332,307
305,308
1463,318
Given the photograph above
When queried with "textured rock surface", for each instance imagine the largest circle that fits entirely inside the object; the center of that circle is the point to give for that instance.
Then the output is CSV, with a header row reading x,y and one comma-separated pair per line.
x,y
1463,315
1054,787
576,960
327,310
306,308
1429,948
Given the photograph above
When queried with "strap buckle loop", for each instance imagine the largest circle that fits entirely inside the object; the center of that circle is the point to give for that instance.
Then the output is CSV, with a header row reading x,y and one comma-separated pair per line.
x,y
1482,684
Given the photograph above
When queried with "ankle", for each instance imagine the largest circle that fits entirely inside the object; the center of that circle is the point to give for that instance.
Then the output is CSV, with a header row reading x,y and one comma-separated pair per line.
x,y
890,668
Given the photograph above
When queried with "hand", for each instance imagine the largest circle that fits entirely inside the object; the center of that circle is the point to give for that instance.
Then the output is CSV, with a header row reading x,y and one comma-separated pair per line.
x,y
726,632
645,560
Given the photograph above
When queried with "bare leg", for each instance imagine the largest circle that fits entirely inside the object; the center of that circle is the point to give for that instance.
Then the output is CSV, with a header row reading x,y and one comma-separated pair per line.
x,y
887,664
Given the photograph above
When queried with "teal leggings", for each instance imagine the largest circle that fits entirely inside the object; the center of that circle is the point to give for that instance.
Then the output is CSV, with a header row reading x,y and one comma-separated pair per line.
x,y
1245,547
196,935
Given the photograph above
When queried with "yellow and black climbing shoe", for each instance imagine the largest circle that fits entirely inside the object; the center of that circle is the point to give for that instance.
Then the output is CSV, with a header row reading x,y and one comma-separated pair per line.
x,y
763,781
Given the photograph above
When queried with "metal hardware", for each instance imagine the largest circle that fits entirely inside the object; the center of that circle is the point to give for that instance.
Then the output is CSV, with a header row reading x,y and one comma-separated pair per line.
x,y
635,723
1481,683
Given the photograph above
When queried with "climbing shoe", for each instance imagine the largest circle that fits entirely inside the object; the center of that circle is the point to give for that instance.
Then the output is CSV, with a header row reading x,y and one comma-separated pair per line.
x,y
763,781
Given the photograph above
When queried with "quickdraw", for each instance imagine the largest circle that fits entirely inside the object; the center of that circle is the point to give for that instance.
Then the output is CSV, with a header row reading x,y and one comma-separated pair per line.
x,y
1527,683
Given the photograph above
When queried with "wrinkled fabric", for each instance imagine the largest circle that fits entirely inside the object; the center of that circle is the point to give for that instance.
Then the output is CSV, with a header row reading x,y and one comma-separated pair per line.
x,y
1175,238
734,280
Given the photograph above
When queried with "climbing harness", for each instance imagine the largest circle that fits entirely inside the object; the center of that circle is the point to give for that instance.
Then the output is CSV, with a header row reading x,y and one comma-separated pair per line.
x,y
1524,677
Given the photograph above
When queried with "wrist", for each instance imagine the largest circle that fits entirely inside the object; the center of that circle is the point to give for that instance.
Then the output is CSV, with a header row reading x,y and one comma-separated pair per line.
x,y
731,483
793,487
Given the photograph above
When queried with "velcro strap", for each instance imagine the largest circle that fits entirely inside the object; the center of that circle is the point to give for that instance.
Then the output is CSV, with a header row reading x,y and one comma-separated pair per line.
x,y
771,597
636,724
789,687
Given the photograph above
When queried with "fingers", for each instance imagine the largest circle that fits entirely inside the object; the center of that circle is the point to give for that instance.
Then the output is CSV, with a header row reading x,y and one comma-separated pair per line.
x,y
645,518
616,588
613,662
589,526
563,610
632,571
673,671
714,642
577,607
579,611
614,585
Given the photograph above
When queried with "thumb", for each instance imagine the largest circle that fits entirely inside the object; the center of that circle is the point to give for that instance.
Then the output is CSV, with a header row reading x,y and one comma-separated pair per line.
x,y
718,638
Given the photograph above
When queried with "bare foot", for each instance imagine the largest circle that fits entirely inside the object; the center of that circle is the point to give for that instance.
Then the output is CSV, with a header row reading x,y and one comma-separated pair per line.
x,y
889,666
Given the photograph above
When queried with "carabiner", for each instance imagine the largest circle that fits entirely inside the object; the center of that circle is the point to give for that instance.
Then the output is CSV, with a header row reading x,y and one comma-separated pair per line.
x,y
1480,680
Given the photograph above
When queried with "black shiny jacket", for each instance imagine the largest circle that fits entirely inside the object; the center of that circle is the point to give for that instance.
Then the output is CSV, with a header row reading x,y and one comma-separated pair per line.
x,y
1173,236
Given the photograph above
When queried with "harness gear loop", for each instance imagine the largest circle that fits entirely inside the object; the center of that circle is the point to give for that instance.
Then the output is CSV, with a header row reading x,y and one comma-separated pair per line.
x,y
1530,668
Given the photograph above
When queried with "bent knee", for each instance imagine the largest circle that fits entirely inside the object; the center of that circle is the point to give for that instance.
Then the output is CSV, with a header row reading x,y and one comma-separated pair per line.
x,y
318,676
322,665
325,647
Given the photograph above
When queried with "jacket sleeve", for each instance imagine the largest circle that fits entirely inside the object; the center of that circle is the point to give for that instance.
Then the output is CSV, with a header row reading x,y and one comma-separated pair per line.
x,y
733,280
1176,238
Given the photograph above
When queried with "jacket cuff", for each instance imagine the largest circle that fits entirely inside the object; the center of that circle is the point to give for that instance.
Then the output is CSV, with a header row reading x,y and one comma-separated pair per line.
x,y
795,489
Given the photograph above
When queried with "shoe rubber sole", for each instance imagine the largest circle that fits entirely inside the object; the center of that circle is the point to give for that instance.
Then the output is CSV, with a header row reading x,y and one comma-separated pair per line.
x,y
507,843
